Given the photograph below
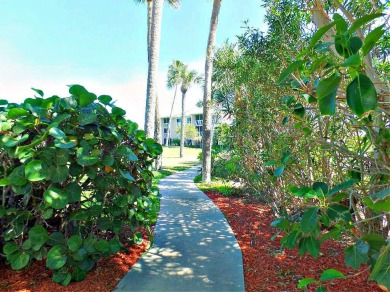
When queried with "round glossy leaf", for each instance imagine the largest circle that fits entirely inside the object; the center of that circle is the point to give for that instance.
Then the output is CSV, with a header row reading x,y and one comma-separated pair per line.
x,y
102,245
56,257
19,261
17,177
10,247
35,171
38,235
17,112
105,99
73,192
59,173
361,95
117,111
78,274
74,242
55,197
57,133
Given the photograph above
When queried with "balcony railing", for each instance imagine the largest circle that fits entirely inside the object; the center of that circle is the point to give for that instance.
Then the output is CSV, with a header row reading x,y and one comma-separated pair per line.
x,y
166,125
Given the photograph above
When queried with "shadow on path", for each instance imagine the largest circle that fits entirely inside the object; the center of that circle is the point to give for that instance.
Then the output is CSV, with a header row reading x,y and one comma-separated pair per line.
x,y
195,248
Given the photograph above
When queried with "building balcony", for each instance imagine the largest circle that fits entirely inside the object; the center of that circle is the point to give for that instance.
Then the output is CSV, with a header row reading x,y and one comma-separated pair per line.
x,y
198,122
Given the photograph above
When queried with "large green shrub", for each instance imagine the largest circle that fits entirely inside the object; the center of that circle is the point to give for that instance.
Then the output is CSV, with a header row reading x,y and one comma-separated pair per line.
x,y
74,172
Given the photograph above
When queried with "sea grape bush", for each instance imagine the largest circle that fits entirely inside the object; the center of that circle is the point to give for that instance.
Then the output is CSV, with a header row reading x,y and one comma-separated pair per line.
x,y
74,172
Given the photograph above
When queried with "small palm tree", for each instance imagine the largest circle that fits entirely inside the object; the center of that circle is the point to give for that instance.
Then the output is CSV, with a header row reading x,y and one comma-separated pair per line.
x,y
187,78
174,74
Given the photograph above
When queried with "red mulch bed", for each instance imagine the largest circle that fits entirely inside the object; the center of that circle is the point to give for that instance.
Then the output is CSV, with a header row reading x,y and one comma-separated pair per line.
x,y
104,277
265,269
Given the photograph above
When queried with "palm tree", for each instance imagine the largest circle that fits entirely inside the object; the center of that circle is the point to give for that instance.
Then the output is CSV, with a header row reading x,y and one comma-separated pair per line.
x,y
206,136
154,51
153,45
174,73
187,78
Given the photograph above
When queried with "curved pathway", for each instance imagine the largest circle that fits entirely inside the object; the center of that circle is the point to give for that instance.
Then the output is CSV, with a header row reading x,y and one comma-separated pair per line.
x,y
194,249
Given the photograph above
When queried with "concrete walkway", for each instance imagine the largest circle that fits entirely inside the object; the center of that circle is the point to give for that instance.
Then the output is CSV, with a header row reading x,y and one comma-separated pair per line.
x,y
195,248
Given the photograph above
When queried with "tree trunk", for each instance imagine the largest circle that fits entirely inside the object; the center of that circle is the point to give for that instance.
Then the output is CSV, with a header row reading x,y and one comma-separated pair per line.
x,y
150,107
170,118
150,15
182,124
206,135
157,132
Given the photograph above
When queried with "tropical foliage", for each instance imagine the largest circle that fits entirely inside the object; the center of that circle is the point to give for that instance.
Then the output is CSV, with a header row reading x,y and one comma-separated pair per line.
x,y
312,140
74,173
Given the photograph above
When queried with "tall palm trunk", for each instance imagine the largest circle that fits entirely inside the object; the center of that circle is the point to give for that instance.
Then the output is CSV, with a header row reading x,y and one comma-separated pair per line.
x,y
157,132
207,119
170,118
150,107
183,96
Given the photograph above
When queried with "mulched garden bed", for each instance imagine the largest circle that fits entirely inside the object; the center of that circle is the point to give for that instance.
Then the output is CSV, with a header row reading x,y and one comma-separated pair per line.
x,y
265,267
268,269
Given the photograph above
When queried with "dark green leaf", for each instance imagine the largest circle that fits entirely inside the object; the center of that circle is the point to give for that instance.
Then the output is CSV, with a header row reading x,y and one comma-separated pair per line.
x,y
319,33
13,141
376,241
73,192
78,274
341,186
105,99
126,175
290,69
59,173
356,254
38,236
299,110
74,242
371,39
309,221
17,176
328,85
10,247
285,120
86,99
358,23
312,245
56,257
337,212
108,160
77,90
341,24
86,118
102,245
40,92
331,274
361,95
327,104
281,223
353,60
117,111
87,264
19,261
56,238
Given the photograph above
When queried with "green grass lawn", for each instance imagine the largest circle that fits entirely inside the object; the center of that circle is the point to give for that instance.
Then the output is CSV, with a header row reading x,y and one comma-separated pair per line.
x,y
171,161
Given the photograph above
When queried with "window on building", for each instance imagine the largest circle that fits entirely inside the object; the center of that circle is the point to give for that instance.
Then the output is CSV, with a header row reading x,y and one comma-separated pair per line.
x,y
178,121
166,120
189,120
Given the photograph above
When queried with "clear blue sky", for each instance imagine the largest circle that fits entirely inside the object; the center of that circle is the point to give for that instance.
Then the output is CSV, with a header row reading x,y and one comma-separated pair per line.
x,y
101,44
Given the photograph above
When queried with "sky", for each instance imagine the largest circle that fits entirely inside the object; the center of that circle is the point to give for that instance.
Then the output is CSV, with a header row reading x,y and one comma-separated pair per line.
x,y
101,44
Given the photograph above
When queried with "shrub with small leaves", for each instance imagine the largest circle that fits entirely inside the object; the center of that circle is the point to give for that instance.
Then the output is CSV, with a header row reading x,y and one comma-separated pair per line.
x,y
74,172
